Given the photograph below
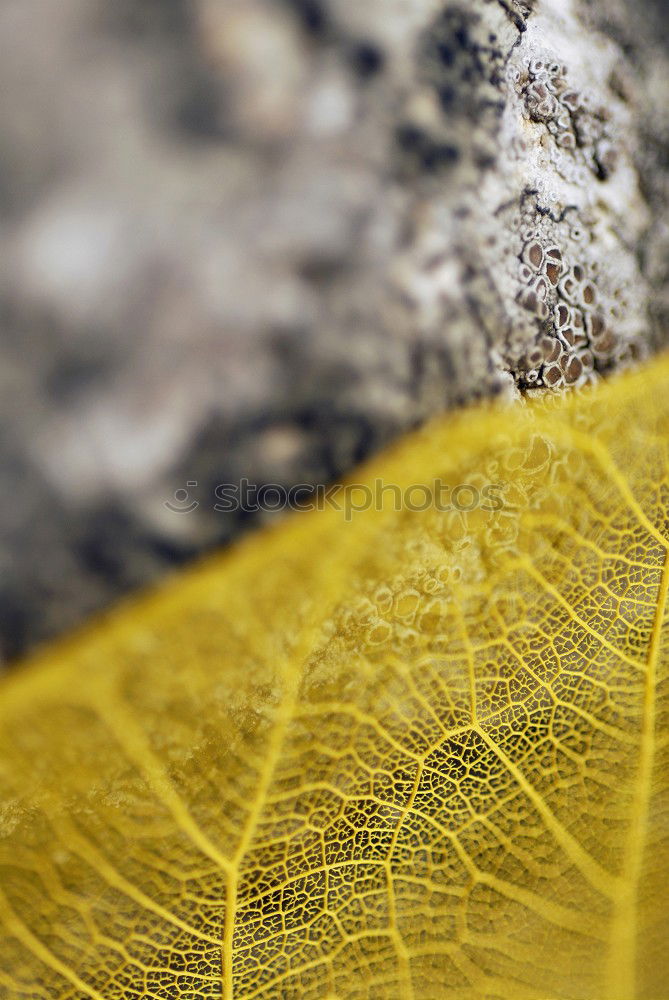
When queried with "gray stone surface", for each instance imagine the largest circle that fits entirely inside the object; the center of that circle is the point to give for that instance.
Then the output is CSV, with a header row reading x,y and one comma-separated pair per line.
x,y
260,238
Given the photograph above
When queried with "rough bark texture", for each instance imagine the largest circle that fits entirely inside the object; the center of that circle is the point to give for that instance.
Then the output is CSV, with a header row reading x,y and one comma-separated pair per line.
x,y
259,238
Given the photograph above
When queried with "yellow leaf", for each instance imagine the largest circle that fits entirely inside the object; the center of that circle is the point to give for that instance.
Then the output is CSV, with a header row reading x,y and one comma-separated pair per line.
x,y
415,754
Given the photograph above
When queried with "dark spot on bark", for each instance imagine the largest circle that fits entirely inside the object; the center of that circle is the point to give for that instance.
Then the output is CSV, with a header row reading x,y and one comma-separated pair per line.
x,y
15,625
367,60
460,66
446,54
423,151
313,15
447,97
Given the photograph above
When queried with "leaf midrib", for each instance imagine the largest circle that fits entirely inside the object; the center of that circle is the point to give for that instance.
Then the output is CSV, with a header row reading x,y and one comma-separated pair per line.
x,y
624,935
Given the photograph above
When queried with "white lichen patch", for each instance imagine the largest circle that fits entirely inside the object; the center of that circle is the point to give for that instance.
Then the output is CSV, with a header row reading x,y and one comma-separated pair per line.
x,y
568,191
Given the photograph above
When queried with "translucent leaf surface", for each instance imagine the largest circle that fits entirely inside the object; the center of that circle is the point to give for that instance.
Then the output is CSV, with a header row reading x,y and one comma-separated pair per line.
x,y
417,755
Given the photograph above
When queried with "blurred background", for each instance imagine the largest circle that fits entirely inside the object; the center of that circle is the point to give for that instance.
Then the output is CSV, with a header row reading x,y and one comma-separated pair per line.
x,y
260,238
